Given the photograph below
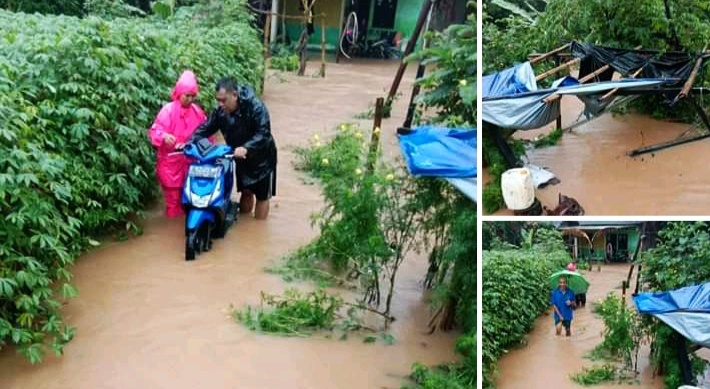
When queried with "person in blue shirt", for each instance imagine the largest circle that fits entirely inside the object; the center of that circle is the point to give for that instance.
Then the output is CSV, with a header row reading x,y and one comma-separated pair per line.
x,y
562,301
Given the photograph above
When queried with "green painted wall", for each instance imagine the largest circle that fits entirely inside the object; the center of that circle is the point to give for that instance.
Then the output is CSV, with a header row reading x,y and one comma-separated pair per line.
x,y
633,236
407,15
599,245
405,21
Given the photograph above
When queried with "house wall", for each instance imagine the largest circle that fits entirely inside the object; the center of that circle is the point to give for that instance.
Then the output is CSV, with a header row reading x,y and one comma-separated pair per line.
x,y
633,236
332,10
405,20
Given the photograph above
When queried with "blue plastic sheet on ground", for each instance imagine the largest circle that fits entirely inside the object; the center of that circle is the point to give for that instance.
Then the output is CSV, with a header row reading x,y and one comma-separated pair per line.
x,y
686,310
442,152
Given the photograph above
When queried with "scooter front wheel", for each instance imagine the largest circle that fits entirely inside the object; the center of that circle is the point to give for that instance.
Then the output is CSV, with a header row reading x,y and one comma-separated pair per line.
x,y
191,245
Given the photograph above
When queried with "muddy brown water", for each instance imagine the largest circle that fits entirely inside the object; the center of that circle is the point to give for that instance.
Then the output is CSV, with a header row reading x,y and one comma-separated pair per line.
x,y
145,318
547,361
592,163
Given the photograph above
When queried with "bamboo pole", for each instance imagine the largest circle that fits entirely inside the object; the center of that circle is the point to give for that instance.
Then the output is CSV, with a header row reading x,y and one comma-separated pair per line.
x,y
558,68
584,79
548,54
689,82
322,47
613,91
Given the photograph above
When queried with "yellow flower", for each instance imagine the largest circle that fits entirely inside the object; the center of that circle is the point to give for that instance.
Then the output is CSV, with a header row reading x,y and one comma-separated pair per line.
x,y
358,172
358,135
325,161
463,82
376,130
316,137
389,177
317,144
343,127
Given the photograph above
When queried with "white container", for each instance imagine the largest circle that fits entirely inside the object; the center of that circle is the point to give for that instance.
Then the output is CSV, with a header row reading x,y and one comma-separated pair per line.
x,y
518,189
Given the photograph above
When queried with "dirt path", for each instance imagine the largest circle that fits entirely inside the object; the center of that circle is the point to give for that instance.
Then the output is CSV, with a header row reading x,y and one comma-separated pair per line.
x,y
547,361
592,163
145,318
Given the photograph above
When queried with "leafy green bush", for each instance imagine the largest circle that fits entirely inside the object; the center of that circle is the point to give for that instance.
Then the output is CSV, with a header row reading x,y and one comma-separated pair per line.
x,y
519,275
76,97
373,215
451,87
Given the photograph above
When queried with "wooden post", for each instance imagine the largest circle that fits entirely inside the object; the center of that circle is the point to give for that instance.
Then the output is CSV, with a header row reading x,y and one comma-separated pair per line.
x,y
691,79
548,54
267,40
266,50
322,47
558,121
283,23
426,9
375,138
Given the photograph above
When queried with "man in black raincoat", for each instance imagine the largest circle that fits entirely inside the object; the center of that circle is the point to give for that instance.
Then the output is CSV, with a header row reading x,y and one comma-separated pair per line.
x,y
244,122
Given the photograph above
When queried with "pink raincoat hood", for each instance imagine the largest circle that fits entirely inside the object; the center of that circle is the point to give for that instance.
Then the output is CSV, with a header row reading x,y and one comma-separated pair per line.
x,y
187,83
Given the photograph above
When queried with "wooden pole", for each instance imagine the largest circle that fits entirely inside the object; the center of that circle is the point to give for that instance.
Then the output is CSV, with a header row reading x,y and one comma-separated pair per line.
x,y
322,47
267,40
376,129
584,79
689,82
283,23
266,50
426,8
558,68
548,54
613,91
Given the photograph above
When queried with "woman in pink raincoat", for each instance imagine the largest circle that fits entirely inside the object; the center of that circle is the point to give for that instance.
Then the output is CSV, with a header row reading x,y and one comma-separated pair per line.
x,y
173,126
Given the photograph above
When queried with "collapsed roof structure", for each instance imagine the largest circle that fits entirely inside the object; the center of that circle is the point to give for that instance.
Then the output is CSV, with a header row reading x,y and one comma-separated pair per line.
x,y
512,99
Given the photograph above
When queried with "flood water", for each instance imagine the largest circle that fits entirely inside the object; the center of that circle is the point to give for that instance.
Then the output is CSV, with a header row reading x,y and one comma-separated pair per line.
x,y
592,163
547,361
145,318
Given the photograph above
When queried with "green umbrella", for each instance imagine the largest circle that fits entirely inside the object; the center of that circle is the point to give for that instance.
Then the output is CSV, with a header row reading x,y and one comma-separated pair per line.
x,y
575,281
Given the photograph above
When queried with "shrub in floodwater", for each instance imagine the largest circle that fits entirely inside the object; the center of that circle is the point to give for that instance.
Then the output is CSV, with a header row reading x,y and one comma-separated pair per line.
x,y
599,375
294,313
374,215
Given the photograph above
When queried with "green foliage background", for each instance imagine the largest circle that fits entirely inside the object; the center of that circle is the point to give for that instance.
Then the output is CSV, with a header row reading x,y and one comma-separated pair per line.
x,y
76,98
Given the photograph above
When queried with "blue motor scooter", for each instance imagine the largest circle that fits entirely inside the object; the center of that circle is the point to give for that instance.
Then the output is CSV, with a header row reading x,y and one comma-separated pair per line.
x,y
206,195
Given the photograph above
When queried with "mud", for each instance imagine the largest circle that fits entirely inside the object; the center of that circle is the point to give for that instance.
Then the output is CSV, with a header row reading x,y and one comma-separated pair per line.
x,y
145,318
547,361
592,163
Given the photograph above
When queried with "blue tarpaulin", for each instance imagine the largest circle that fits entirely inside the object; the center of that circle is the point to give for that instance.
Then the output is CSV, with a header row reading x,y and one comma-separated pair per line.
x,y
448,153
511,81
686,310
511,98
